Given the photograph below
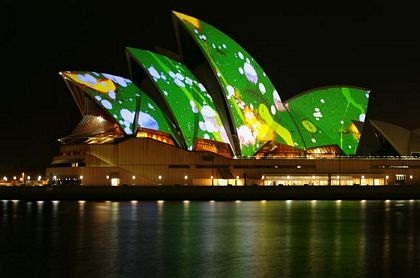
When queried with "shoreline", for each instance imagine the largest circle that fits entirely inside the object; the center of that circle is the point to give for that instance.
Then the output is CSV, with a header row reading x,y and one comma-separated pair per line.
x,y
206,193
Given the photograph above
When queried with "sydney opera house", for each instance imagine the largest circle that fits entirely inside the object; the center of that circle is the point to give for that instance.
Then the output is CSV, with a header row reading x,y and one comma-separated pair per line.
x,y
211,116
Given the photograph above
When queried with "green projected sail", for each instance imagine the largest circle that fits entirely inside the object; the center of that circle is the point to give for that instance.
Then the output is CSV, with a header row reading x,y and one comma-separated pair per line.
x,y
326,116
190,103
255,105
250,107
119,96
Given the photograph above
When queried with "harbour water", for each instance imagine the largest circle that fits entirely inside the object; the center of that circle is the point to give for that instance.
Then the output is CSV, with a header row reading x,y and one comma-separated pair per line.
x,y
210,239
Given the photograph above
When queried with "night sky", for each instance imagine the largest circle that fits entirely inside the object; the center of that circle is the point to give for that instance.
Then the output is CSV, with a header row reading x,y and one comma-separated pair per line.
x,y
299,45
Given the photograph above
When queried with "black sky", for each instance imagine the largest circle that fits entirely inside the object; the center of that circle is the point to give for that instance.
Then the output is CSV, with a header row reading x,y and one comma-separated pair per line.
x,y
300,46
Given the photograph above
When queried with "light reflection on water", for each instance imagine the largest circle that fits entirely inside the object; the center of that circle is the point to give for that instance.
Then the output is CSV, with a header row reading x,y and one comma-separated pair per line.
x,y
210,239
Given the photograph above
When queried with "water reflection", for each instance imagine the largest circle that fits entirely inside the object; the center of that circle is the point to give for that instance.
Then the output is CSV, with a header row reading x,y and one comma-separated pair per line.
x,y
210,239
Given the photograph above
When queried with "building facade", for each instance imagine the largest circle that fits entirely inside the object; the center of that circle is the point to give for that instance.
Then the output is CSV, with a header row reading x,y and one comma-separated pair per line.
x,y
211,116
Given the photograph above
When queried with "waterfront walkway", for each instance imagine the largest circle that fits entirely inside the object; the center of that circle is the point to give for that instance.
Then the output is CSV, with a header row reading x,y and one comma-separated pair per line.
x,y
220,193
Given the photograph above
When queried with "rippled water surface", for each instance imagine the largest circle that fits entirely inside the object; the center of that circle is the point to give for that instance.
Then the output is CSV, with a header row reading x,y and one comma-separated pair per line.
x,y
210,239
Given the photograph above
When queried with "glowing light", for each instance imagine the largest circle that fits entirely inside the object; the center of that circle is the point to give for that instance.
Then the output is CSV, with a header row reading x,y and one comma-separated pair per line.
x,y
133,177
107,177
81,177
159,177
39,178
185,177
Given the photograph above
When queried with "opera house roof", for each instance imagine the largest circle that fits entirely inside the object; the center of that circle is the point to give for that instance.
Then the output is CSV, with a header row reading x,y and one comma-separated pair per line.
x,y
214,92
